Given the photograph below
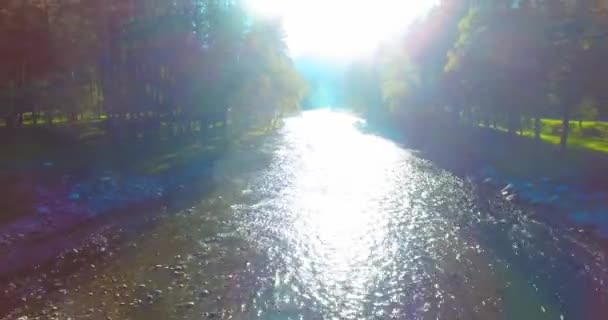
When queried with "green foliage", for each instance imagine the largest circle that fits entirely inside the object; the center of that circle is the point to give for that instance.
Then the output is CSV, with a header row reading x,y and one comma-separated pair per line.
x,y
142,61
399,81
268,86
499,63
470,30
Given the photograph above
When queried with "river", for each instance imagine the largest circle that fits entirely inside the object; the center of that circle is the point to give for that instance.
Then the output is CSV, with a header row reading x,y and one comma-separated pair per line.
x,y
324,221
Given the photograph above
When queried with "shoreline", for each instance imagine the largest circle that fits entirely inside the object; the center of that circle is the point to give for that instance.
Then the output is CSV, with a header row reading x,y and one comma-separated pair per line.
x,y
565,197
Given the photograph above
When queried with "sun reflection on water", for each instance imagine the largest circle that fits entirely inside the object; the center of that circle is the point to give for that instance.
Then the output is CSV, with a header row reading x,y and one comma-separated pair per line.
x,y
352,226
337,207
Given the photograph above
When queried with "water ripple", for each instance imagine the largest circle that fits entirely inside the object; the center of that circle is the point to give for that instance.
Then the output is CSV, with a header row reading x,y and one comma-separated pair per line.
x,y
354,227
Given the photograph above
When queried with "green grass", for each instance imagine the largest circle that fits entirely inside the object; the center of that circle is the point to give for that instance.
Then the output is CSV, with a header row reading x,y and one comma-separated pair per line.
x,y
576,139
44,119
585,161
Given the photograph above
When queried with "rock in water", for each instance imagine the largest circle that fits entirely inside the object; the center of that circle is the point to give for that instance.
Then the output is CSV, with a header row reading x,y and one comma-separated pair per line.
x,y
507,189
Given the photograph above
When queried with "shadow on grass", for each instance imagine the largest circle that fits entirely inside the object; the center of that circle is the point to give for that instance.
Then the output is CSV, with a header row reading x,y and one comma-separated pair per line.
x,y
576,139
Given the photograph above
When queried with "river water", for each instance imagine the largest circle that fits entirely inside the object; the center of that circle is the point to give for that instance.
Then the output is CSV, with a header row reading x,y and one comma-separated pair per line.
x,y
323,221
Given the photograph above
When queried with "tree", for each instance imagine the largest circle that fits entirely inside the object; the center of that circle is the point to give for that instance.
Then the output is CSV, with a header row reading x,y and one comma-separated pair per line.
x,y
268,86
587,110
498,63
363,91
399,81
141,62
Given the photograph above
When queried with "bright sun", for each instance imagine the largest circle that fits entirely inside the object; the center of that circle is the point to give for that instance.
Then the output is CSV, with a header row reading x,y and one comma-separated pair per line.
x,y
341,29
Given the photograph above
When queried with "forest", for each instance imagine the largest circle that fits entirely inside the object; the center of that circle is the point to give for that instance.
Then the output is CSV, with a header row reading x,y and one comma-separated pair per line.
x,y
532,67
134,68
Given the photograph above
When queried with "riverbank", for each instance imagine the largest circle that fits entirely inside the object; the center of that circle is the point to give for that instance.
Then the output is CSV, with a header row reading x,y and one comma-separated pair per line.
x,y
56,181
569,189
73,222
58,192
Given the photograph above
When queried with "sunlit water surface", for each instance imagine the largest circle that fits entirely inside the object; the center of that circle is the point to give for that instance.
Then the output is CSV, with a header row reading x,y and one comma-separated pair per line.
x,y
323,221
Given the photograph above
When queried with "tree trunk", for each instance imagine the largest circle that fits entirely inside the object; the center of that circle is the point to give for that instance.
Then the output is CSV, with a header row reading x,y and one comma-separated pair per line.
x,y
511,124
521,128
565,130
537,128
48,118
10,121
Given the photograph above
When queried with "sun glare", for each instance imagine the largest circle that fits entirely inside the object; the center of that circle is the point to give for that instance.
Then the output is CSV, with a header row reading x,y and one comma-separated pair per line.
x,y
341,29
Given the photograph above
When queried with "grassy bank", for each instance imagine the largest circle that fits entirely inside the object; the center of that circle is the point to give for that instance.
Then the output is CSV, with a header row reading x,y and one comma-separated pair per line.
x,y
40,166
88,145
468,148
586,135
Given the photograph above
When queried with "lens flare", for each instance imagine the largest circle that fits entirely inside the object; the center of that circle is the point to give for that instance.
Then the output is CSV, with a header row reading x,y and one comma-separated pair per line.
x,y
341,29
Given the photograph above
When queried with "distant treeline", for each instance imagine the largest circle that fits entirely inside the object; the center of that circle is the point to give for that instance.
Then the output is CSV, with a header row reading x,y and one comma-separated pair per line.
x,y
142,63
503,63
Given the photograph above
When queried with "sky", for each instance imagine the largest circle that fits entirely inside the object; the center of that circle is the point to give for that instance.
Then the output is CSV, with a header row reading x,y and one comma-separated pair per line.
x,y
341,30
